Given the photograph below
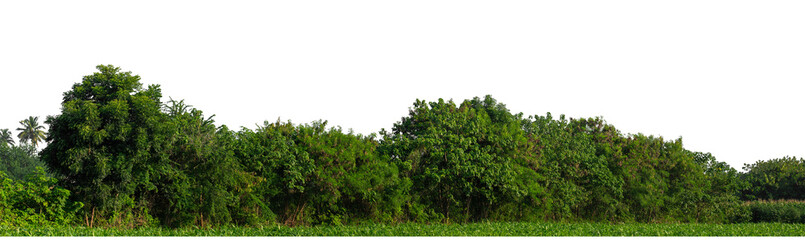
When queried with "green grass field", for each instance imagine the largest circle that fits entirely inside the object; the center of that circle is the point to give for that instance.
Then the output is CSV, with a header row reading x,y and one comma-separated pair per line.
x,y
474,229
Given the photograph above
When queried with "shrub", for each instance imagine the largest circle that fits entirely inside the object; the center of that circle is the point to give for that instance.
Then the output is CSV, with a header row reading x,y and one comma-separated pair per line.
x,y
464,161
37,201
312,174
784,211
780,178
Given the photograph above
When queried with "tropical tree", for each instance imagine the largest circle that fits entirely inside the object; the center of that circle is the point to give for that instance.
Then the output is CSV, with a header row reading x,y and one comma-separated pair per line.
x,y
31,131
5,137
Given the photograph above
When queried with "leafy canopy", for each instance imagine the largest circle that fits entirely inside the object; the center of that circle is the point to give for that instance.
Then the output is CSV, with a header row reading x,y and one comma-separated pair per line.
x,y
464,161
106,143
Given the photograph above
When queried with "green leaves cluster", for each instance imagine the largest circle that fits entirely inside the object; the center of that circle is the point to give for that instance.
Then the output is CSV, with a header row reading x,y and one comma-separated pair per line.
x,y
464,162
576,159
37,201
314,174
105,144
116,149
779,178
196,178
784,211
19,161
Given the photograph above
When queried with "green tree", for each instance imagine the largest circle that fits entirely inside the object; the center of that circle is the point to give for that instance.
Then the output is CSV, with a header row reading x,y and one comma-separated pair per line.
x,y
5,138
19,161
318,175
466,162
580,182
609,192
107,146
203,182
630,178
31,131
720,201
35,201
136,161
779,178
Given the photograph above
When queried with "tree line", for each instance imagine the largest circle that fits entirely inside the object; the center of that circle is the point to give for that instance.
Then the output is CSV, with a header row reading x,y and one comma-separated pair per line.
x,y
125,158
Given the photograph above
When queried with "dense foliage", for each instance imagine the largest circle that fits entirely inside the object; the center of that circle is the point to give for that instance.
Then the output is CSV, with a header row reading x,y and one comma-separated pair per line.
x,y
37,201
198,179
133,160
312,174
129,157
466,162
19,161
785,211
105,146
780,178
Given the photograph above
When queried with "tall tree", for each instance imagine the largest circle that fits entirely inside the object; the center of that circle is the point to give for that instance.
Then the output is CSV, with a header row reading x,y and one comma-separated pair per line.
x,y
31,131
130,159
5,138
106,145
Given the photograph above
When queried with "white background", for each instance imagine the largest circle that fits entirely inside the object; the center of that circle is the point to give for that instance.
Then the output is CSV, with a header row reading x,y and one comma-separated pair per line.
x,y
724,75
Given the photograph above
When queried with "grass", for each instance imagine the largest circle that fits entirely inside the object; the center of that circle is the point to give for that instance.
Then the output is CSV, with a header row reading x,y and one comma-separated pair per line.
x,y
412,229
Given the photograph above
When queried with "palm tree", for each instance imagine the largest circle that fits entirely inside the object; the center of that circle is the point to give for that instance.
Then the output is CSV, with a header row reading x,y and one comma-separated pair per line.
x,y
31,131
5,137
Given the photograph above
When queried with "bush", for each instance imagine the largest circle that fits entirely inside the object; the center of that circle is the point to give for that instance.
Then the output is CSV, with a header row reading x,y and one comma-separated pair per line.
x,y
783,211
312,175
780,178
464,161
37,201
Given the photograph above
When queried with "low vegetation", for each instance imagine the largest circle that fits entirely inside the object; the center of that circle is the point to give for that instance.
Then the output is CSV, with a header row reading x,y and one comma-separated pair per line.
x,y
417,229
784,211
